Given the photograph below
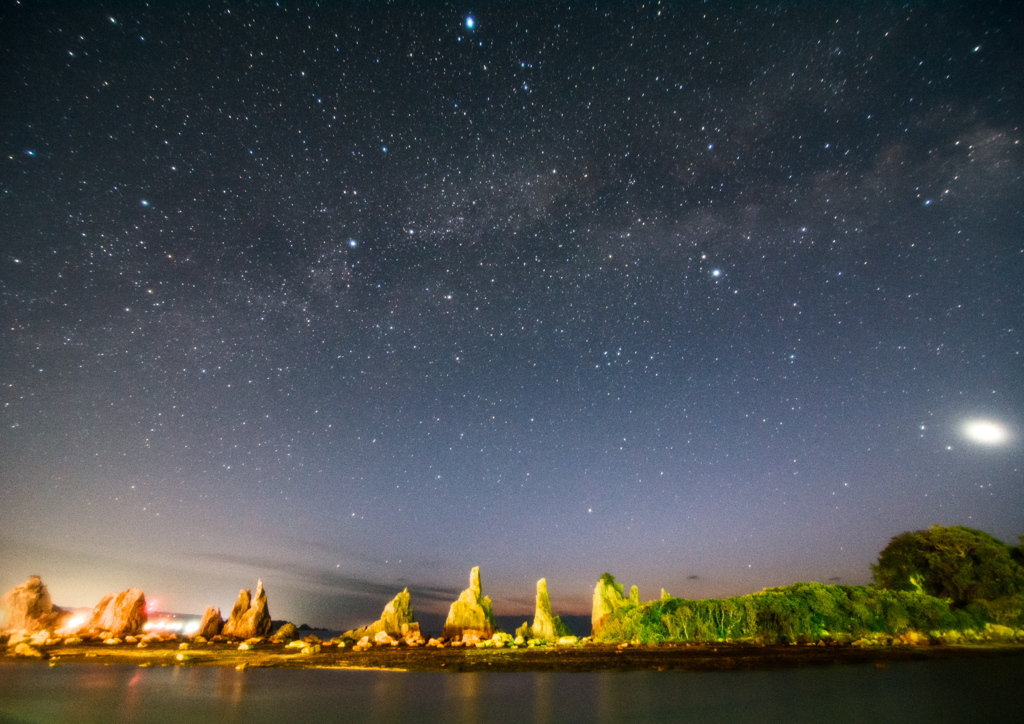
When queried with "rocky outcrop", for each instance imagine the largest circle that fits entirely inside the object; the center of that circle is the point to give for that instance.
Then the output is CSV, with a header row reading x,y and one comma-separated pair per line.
x,y
286,634
608,599
28,607
546,625
250,616
397,620
471,615
211,623
122,614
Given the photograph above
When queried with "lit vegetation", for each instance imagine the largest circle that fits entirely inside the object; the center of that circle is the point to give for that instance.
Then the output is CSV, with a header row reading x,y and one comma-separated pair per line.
x,y
970,568
952,583
803,612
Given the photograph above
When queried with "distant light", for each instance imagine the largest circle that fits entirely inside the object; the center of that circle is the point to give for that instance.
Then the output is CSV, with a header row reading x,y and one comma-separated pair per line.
x,y
716,273
470,22
145,203
353,243
985,432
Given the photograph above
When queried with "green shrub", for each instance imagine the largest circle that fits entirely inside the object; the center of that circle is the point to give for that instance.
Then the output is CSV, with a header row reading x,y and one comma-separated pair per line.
x,y
802,612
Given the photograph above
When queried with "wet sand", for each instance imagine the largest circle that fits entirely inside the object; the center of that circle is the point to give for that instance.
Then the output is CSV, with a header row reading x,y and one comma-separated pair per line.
x,y
591,657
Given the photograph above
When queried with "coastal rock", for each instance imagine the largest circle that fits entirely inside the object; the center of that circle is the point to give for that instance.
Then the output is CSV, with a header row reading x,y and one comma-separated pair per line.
x,y
211,623
250,616
28,607
396,615
286,634
608,599
28,651
123,614
471,615
411,634
546,625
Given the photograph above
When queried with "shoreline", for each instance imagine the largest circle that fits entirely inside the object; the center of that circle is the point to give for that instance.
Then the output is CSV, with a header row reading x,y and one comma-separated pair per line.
x,y
580,658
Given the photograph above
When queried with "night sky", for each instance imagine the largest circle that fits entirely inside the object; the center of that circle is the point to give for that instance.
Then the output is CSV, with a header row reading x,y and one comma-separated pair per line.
x,y
355,296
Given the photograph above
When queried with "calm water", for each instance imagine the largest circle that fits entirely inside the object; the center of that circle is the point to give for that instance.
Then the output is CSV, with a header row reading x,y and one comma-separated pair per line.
x,y
990,690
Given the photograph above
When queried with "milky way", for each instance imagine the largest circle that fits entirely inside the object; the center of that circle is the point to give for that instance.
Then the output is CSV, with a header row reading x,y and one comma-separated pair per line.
x,y
353,298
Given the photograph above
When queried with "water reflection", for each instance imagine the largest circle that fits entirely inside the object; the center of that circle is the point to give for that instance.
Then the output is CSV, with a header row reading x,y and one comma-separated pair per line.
x,y
939,691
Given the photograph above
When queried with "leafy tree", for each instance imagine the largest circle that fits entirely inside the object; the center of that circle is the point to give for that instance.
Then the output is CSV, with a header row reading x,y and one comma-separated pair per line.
x,y
954,562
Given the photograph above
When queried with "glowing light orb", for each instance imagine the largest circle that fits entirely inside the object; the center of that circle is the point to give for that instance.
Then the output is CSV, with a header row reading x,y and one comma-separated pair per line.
x,y
985,432
74,623
470,22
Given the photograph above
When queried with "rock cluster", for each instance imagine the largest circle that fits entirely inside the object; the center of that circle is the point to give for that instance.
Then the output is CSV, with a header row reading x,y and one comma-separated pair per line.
x,y
471,617
122,614
250,616
28,607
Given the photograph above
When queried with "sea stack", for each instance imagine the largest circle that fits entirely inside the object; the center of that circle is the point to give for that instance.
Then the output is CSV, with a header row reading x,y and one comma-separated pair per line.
x,y
397,621
250,616
211,624
122,614
608,599
28,607
546,625
470,617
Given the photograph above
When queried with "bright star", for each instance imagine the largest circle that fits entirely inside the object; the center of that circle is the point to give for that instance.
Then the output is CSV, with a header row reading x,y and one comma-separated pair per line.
x,y
716,273
985,432
470,22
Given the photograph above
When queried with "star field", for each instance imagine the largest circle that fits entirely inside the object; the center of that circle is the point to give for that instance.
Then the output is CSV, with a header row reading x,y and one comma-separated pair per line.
x,y
354,297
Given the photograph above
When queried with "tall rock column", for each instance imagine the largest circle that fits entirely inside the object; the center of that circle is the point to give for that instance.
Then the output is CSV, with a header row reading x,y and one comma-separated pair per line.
x,y
471,615
546,625
608,599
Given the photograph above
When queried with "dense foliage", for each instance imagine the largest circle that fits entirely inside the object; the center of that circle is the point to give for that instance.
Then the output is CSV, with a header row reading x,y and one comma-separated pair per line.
x,y
956,563
938,582
802,612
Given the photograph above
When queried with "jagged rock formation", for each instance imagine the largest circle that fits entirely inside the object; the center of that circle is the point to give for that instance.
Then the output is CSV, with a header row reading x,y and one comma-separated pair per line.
x,y
397,620
123,614
546,625
250,616
28,607
471,616
211,623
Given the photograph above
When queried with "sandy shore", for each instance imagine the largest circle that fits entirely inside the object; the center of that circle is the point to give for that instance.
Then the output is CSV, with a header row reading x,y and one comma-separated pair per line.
x,y
592,657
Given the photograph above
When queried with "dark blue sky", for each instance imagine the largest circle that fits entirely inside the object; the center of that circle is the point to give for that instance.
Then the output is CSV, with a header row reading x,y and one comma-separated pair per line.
x,y
356,297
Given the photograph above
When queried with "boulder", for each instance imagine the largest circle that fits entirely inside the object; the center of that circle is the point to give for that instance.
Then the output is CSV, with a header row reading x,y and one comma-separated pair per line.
x,y
211,623
546,625
411,634
28,651
123,614
250,616
28,607
397,614
608,599
471,615
287,633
